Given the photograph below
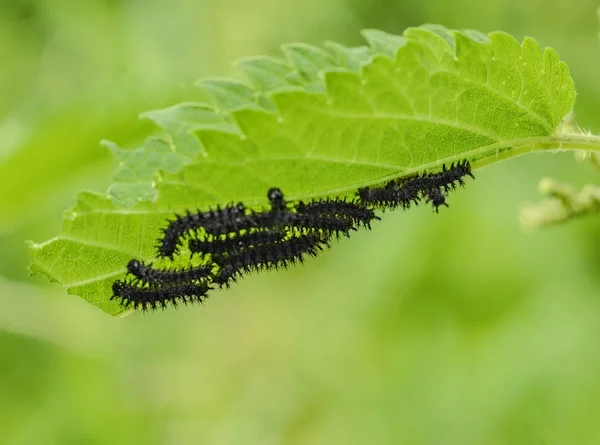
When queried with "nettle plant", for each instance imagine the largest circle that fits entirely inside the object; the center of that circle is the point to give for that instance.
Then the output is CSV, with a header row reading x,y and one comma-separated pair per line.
x,y
318,124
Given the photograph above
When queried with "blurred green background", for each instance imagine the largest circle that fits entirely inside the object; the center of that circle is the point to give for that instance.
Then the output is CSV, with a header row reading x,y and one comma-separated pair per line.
x,y
457,328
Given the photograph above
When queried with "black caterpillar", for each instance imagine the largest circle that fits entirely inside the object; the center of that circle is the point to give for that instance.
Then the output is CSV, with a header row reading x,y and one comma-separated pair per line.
x,y
267,256
147,274
153,297
215,222
234,242
449,178
338,209
429,186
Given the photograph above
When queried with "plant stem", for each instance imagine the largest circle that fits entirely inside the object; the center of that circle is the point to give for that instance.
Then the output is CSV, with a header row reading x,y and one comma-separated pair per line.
x,y
561,142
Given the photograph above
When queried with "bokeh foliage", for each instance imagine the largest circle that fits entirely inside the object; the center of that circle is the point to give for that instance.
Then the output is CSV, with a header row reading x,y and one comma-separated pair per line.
x,y
450,328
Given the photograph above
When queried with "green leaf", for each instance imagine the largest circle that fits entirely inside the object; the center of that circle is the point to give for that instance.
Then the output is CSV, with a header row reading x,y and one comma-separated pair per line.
x,y
321,122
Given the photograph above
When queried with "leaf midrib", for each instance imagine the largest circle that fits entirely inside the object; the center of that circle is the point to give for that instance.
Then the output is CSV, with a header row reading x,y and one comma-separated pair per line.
x,y
512,144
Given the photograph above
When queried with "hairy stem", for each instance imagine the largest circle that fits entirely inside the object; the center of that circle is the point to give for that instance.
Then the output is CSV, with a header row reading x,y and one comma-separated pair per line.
x,y
510,149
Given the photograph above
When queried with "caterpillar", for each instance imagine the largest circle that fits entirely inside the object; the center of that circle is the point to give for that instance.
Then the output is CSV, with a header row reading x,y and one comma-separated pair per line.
x,y
306,222
395,193
449,178
220,221
405,192
338,208
153,297
267,256
234,242
145,273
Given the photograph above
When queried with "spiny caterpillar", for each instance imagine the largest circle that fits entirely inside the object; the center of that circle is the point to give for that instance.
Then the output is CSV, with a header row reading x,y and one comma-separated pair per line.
x,y
216,222
429,186
338,209
232,241
146,274
155,296
268,256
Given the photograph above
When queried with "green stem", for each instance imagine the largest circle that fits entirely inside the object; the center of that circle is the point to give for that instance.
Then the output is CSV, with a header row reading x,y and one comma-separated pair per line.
x,y
578,141
510,149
